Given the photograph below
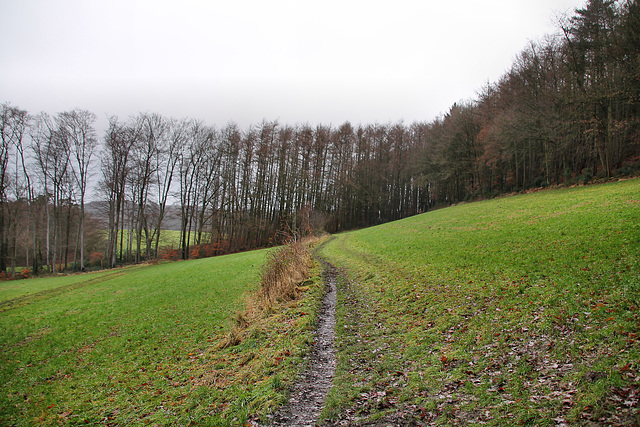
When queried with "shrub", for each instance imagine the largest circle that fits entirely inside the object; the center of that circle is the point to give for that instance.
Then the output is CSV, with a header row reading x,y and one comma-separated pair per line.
x,y
628,169
169,254
204,250
96,259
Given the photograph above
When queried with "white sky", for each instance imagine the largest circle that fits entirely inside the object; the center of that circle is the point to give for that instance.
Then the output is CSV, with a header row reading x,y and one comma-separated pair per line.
x,y
247,60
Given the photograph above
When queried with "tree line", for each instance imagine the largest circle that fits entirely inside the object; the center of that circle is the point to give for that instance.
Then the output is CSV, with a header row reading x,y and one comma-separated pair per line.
x,y
567,111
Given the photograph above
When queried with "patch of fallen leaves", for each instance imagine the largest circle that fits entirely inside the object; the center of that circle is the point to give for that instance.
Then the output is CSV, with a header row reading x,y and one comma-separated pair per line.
x,y
527,371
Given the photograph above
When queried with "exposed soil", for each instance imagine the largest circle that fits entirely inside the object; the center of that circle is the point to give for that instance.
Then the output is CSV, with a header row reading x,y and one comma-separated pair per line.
x,y
310,390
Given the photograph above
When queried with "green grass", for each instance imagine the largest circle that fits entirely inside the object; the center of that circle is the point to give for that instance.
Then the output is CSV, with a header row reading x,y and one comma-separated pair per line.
x,y
13,292
517,310
168,238
521,310
141,345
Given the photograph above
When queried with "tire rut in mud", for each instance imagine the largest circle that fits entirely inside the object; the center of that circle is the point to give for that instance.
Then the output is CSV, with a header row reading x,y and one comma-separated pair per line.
x,y
311,388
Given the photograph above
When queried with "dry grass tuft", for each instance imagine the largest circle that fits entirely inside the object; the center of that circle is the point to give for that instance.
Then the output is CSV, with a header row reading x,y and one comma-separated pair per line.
x,y
282,275
232,338
282,282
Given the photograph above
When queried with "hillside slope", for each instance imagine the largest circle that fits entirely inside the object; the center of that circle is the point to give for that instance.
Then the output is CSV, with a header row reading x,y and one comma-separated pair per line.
x,y
149,345
510,311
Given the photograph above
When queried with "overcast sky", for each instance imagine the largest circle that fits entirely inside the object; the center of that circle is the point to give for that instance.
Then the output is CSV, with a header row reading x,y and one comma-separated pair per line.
x,y
314,62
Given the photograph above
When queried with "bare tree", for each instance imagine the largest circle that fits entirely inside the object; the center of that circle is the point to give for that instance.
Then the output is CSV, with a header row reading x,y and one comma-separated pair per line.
x,y
166,161
119,140
77,127
52,155
13,127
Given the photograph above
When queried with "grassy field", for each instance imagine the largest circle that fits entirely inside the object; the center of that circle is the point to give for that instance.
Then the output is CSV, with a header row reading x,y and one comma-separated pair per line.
x,y
520,310
147,345
168,238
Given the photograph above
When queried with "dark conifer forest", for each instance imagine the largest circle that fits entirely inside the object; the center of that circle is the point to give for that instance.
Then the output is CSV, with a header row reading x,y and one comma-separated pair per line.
x,y
566,112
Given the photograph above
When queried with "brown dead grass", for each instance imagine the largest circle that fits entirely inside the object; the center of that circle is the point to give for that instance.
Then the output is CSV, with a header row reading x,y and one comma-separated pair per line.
x,y
283,273
283,280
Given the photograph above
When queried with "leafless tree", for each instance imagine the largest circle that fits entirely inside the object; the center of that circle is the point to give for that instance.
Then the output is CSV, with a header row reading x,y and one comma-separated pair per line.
x,y
52,154
14,123
77,127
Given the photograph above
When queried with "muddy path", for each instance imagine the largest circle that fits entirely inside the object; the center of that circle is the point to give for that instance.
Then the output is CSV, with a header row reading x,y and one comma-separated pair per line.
x,y
311,388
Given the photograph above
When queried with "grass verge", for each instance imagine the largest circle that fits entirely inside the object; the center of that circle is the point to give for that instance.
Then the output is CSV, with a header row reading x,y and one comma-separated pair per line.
x,y
263,353
522,310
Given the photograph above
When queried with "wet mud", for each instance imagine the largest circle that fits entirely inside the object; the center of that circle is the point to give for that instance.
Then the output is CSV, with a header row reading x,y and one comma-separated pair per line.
x,y
311,388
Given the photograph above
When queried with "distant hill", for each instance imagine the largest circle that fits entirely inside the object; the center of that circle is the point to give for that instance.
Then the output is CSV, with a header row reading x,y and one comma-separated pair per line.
x,y
99,210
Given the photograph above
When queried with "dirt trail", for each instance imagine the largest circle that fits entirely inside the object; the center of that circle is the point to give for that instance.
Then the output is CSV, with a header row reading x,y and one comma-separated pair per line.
x,y
311,388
